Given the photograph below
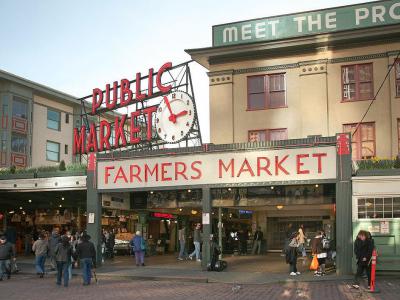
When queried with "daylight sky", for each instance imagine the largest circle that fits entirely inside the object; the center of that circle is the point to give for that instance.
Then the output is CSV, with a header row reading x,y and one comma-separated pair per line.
x,y
75,45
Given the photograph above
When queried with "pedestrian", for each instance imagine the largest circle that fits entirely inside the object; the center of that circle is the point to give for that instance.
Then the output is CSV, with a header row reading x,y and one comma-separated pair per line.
x,y
215,252
319,248
363,247
40,248
139,248
28,243
86,253
7,252
182,242
196,242
63,254
302,240
258,237
53,242
291,254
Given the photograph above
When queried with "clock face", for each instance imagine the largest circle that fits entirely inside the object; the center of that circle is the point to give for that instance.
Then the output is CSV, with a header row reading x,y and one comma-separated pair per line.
x,y
175,117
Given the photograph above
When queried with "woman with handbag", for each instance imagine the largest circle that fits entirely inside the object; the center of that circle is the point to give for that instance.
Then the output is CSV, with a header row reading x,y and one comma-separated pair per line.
x,y
291,254
319,250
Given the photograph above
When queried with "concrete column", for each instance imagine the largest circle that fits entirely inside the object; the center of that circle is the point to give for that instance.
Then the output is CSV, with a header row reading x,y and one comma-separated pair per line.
x,y
220,230
93,203
206,253
344,235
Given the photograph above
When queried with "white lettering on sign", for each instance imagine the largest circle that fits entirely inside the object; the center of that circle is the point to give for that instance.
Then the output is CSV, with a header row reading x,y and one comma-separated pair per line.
x,y
330,20
246,32
219,168
230,34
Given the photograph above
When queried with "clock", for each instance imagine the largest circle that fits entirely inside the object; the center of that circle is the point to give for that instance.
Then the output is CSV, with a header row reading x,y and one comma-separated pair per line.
x,y
175,117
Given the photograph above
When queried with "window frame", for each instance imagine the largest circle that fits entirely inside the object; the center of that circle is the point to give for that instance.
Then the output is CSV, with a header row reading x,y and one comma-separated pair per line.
x,y
267,91
59,149
59,120
373,198
267,133
359,141
396,80
19,135
19,99
357,82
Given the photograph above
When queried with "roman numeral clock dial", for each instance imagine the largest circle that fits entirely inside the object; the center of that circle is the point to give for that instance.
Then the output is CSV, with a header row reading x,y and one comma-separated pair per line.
x,y
175,117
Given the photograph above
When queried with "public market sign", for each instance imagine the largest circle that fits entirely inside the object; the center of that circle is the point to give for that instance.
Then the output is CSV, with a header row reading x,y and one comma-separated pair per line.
x,y
251,166
352,17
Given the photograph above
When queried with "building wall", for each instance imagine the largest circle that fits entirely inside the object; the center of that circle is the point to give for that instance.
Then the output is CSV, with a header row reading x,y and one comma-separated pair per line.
x,y
313,95
42,134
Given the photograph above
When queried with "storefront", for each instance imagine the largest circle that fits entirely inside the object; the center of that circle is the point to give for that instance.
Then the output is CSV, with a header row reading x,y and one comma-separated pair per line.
x,y
237,186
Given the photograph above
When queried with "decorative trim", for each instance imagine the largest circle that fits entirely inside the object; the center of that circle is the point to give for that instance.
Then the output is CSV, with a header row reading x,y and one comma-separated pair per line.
x,y
216,73
266,69
358,58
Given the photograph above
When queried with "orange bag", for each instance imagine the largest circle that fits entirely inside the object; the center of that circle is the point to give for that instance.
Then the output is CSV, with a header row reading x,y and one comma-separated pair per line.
x,y
314,263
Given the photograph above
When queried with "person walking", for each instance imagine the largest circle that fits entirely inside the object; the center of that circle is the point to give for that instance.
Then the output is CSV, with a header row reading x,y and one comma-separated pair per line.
x,y
319,249
196,242
302,240
86,253
139,248
7,252
258,237
182,242
53,242
363,247
291,254
40,248
63,254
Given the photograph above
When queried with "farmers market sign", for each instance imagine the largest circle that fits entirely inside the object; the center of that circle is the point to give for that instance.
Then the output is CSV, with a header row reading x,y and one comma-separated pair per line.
x,y
343,18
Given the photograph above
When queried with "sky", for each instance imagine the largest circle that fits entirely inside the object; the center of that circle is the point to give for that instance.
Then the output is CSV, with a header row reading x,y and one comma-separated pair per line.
x,y
75,46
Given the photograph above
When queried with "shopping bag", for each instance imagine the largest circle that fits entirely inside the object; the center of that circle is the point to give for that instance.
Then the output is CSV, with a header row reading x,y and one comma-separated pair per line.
x,y
314,263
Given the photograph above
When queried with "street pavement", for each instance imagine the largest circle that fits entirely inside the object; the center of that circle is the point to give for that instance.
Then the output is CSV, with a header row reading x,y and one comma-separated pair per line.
x,y
26,286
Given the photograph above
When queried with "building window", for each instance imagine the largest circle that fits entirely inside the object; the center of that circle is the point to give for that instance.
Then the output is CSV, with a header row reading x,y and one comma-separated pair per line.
x,y
66,118
397,71
3,146
267,135
378,208
53,119
19,143
357,82
362,141
66,149
266,91
20,108
52,151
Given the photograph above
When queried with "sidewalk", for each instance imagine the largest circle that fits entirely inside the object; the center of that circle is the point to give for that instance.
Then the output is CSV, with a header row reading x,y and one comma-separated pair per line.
x,y
241,270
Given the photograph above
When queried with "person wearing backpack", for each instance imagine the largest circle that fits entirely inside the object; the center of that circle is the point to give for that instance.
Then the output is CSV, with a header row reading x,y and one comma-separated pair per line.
x,y
291,254
63,253
139,246
319,246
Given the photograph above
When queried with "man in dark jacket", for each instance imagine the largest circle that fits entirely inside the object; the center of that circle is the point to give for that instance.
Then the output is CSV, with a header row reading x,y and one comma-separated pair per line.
x,y
7,251
363,247
86,253
258,237
53,242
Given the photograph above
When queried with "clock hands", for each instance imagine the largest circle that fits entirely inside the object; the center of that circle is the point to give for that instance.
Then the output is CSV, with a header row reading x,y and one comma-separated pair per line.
x,y
172,117
182,113
168,105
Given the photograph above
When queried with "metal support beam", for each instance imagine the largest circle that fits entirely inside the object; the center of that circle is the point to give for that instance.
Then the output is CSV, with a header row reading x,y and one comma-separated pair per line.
x,y
94,207
344,236
220,230
207,228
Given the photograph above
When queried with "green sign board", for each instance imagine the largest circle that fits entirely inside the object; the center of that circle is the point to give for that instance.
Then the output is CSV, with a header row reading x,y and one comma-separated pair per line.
x,y
358,16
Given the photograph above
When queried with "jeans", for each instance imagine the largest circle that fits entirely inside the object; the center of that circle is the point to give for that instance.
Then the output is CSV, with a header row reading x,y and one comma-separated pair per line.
x,y
86,265
53,262
257,247
293,267
196,250
39,263
360,270
181,249
139,257
62,268
303,250
5,268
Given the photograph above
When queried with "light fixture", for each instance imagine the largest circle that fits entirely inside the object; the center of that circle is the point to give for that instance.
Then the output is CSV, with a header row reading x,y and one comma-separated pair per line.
x,y
60,205
230,215
62,198
229,189
11,212
23,213
279,207
316,185
20,207
151,192
189,191
180,209
194,212
272,187
30,201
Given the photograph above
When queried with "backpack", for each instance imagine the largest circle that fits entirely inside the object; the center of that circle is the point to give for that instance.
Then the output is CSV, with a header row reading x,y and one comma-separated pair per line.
x,y
326,244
